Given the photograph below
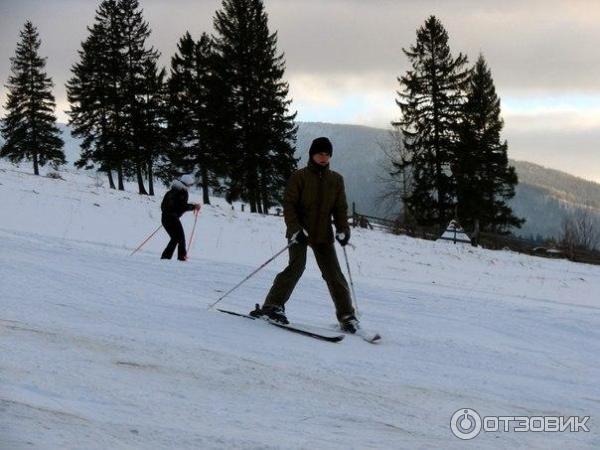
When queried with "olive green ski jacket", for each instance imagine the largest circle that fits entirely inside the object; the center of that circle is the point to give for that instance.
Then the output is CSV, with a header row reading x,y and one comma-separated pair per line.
x,y
315,194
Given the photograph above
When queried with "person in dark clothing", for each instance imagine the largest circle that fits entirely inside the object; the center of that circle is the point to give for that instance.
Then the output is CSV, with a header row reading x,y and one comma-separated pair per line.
x,y
174,204
312,197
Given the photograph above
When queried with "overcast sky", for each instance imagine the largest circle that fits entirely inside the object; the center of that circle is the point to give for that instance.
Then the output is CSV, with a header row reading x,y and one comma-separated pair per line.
x,y
343,57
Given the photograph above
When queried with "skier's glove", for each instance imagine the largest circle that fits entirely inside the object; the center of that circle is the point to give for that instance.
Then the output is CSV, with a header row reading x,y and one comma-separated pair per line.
x,y
343,237
299,237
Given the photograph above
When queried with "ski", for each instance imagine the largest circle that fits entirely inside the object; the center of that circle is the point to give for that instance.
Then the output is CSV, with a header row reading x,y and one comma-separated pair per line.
x,y
371,337
305,330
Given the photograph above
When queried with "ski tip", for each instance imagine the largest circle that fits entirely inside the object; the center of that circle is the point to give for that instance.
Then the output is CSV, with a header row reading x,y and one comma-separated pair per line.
x,y
371,338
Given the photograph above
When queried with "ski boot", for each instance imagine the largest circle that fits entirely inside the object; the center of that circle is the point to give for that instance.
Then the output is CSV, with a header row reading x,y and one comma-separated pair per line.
x,y
274,313
349,324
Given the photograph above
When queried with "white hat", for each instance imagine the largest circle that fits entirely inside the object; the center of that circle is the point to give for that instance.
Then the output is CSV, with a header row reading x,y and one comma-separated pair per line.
x,y
188,180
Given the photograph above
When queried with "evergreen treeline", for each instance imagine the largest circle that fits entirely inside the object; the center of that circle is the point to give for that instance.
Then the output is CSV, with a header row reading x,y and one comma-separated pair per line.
x,y
29,128
451,129
484,179
193,115
116,96
221,113
262,132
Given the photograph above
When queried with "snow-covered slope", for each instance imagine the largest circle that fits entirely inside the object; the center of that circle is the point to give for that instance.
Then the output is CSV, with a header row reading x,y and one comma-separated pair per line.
x,y
102,350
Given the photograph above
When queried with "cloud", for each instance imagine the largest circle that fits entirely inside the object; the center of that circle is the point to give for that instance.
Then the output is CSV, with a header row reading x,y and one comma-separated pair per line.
x,y
542,46
571,122
529,45
343,57
575,152
344,99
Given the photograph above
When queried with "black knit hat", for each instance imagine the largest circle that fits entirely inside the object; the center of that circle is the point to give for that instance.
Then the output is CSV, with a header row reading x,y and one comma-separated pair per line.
x,y
320,145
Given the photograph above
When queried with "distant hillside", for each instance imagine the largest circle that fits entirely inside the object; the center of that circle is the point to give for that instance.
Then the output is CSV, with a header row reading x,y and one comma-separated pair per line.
x,y
544,196
547,196
562,185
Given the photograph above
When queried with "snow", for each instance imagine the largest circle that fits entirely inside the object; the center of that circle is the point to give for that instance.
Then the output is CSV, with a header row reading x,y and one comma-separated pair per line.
x,y
102,350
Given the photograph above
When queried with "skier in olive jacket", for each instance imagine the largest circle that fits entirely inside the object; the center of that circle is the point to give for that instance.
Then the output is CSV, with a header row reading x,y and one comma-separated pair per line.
x,y
174,204
313,196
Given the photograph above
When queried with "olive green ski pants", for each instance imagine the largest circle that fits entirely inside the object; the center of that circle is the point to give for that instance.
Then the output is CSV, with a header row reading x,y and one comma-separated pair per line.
x,y
327,260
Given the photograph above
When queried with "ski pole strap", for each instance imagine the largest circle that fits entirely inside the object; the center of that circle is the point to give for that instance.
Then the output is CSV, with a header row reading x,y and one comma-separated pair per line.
x,y
251,275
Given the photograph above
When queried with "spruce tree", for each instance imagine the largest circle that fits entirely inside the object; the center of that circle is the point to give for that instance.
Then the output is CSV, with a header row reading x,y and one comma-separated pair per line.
x,y
484,179
29,128
138,58
109,93
273,113
153,139
430,103
88,114
261,128
192,114
93,91
112,67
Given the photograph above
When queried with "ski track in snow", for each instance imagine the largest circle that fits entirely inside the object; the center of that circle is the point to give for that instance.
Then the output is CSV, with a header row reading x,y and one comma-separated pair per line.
x,y
101,350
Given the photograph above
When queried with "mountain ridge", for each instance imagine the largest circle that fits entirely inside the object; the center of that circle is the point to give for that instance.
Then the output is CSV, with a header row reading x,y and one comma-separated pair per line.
x,y
545,197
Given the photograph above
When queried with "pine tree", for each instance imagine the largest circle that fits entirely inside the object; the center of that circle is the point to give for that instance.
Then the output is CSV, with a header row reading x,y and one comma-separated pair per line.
x,y
95,113
29,128
89,111
279,162
430,102
153,139
484,179
109,93
193,112
135,32
111,65
261,128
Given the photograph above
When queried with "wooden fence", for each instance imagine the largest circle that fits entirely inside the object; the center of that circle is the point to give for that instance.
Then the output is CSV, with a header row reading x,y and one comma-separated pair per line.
x,y
486,240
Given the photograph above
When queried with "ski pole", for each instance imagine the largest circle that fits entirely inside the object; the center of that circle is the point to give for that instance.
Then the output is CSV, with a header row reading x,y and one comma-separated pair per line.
x,y
147,239
249,276
351,283
196,213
